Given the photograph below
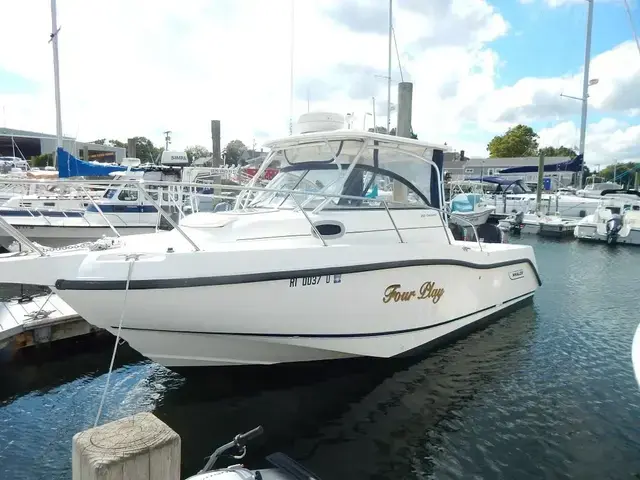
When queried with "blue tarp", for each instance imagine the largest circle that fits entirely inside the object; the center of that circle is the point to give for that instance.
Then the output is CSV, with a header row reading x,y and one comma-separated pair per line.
x,y
573,165
465,202
70,166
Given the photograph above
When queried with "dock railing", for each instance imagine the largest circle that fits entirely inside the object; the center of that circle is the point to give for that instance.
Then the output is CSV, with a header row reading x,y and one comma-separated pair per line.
x,y
188,189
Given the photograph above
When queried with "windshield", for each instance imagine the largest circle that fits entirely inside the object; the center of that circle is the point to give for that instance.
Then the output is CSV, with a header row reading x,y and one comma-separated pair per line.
x,y
358,168
373,186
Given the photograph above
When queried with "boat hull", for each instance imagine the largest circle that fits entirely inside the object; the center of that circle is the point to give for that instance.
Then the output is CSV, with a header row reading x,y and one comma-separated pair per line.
x,y
598,233
374,310
475,218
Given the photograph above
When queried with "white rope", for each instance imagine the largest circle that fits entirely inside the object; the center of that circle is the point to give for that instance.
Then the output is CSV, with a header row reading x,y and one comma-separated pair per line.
x,y
132,260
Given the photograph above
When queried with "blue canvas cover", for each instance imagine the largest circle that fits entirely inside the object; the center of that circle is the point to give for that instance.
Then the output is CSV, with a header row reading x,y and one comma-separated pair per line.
x,y
70,166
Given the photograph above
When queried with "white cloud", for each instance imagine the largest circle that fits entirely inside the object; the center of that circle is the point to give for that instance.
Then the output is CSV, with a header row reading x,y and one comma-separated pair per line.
x,y
607,140
128,69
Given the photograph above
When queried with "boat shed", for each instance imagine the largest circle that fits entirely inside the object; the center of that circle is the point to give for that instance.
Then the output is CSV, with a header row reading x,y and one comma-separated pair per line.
x,y
26,144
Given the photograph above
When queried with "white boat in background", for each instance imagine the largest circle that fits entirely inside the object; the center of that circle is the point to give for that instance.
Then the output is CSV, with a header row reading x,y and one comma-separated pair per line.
x,y
121,206
468,208
616,220
536,224
595,186
344,275
513,196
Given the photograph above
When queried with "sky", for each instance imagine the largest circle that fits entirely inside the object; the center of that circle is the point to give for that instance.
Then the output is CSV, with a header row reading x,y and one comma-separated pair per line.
x,y
137,68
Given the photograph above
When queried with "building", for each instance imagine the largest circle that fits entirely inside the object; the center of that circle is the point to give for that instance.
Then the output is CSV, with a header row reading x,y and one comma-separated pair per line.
x,y
26,144
476,167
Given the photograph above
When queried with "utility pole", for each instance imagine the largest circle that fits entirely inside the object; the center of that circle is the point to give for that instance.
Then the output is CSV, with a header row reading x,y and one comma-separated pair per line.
x,y
167,140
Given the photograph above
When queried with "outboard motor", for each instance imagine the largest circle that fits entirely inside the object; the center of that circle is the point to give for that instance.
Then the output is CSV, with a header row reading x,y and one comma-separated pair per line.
x,y
517,225
490,233
614,225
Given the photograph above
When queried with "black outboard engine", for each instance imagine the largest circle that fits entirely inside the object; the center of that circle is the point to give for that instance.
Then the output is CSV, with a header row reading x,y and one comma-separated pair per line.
x,y
614,225
517,225
490,233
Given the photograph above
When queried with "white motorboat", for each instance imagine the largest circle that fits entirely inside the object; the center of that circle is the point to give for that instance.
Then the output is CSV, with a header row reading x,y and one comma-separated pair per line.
x,y
121,206
536,224
595,186
469,209
307,269
616,220
513,196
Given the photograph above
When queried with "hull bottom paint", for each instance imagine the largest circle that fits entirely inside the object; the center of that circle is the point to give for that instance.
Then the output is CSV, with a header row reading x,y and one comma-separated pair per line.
x,y
212,350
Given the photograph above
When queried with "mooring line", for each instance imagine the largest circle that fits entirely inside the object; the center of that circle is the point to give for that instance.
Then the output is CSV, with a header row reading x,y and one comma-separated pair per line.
x,y
132,259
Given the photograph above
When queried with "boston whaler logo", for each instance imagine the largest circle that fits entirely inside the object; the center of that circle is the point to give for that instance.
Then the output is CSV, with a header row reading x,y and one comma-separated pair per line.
x,y
427,291
516,274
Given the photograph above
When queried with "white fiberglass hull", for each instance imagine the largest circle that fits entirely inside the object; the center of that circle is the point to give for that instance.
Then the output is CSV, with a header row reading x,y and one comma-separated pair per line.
x,y
475,218
196,309
598,232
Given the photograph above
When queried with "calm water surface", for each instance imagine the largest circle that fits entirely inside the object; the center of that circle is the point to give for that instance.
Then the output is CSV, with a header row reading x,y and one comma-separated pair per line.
x,y
547,392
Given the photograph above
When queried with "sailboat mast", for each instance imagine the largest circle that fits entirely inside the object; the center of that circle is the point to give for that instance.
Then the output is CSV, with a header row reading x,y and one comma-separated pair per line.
x,y
389,67
56,76
585,87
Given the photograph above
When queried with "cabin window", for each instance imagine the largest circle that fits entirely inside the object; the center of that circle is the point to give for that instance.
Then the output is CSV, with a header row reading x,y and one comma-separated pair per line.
x,y
128,194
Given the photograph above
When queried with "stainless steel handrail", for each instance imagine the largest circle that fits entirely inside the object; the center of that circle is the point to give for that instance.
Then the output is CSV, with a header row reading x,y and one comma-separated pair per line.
x,y
140,183
11,230
386,207
167,217
100,212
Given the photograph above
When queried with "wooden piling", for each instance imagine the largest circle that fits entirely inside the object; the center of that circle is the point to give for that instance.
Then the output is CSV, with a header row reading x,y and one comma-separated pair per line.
x,y
139,447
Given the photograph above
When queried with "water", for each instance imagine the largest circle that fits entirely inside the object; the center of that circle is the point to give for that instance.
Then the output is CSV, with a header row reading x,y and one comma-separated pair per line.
x,y
546,392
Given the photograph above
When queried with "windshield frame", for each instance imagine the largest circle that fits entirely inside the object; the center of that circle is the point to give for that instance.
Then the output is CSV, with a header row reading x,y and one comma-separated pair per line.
x,y
244,199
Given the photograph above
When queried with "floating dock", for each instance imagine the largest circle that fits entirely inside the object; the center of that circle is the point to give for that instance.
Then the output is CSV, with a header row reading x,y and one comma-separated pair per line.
x,y
36,320
558,229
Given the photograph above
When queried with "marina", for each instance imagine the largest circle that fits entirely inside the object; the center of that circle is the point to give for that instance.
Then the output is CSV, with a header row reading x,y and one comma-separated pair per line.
x,y
336,299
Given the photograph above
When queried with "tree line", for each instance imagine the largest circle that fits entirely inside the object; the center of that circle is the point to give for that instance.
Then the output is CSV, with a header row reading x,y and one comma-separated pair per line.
x,y
522,141
146,151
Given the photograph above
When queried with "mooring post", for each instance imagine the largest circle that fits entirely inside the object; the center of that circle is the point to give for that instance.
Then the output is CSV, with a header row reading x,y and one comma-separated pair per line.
x,y
540,183
403,129
139,447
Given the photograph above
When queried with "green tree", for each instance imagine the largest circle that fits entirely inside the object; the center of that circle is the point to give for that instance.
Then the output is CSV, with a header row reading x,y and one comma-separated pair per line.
x,y
233,152
624,173
558,152
518,141
196,151
42,161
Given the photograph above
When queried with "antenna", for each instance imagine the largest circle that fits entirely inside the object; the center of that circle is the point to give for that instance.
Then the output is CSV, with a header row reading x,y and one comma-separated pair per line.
x,y
291,69
167,140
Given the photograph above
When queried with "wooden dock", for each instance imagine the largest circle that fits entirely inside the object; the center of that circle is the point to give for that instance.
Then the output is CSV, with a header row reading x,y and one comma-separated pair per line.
x,y
42,319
